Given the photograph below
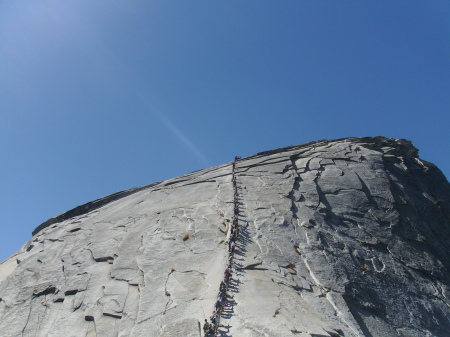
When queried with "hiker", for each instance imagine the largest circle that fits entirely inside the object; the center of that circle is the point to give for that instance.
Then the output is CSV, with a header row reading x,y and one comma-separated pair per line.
x,y
229,265
214,314
218,306
212,329
206,327
223,286
215,320
233,246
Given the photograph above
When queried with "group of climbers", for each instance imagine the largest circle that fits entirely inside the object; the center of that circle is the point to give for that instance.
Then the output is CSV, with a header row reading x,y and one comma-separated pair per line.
x,y
211,329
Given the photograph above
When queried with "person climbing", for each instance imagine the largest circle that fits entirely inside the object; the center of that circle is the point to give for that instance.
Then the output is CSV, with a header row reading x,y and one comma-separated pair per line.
x,y
230,265
206,327
223,286
214,314
211,331
215,320
233,246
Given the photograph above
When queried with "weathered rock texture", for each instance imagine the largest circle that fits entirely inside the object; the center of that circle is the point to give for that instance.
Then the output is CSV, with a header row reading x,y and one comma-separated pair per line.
x,y
348,237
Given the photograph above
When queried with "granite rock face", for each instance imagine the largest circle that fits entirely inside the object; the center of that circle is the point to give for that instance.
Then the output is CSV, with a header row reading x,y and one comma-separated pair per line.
x,y
348,237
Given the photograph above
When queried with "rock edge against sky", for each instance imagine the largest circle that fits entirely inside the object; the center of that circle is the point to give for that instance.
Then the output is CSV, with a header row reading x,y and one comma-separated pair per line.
x,y
347,237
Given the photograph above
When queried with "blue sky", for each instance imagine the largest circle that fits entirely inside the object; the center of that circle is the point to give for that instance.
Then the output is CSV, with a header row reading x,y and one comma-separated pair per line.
x,y
98,96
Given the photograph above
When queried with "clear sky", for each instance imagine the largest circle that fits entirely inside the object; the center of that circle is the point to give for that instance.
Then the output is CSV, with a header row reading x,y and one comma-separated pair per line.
x,y
98,96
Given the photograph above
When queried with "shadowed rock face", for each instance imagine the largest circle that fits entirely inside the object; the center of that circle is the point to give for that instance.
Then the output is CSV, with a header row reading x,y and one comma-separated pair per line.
x,y
349,237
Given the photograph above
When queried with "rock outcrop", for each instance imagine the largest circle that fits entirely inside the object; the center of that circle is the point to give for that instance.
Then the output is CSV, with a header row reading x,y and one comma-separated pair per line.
x,y
347,237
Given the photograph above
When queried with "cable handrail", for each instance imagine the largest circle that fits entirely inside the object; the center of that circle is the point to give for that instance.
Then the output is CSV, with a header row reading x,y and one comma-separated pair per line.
x,y
212,329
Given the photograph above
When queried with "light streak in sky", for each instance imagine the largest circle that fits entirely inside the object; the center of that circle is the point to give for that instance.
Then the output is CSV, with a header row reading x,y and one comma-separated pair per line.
x,y
181,137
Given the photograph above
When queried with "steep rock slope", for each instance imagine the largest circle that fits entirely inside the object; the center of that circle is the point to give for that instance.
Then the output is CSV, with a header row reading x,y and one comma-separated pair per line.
x,y
347,237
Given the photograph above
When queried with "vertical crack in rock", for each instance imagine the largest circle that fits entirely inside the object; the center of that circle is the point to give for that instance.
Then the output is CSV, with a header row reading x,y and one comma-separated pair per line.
x,y
28,319
167,293
295,189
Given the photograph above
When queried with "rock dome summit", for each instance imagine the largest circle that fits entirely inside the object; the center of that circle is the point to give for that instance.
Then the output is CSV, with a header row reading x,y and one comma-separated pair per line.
x,y
334,238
